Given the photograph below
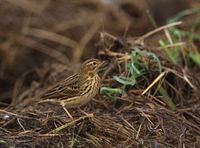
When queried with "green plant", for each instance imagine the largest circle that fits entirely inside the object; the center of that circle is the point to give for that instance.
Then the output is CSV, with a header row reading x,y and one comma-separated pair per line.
x,y
136,68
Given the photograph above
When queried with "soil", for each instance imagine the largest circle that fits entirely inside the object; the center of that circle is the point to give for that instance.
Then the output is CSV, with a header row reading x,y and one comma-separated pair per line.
x,y
43,42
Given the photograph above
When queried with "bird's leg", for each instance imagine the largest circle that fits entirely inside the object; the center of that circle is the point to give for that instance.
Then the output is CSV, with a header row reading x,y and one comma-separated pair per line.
x,y
63,106
61,103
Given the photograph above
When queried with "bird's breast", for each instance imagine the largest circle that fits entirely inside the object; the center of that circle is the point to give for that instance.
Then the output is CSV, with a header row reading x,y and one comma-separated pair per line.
x,y
90,87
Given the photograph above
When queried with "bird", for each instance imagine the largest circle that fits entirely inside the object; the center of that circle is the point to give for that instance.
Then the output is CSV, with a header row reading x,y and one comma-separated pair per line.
x,y
77,89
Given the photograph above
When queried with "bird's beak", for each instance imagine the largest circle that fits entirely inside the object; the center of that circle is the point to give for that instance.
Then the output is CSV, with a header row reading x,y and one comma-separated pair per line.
x,y
103,63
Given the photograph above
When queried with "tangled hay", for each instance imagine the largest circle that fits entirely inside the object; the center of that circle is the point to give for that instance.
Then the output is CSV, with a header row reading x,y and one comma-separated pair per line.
x,y
149,95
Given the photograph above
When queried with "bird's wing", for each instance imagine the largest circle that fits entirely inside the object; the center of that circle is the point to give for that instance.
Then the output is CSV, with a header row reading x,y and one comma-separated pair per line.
x,y
62,90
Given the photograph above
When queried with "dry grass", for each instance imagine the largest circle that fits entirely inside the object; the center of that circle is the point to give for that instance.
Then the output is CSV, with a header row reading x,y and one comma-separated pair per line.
x,y
148,99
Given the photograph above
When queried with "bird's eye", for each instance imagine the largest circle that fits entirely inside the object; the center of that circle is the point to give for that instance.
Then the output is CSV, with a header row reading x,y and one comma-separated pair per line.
x,y
94,63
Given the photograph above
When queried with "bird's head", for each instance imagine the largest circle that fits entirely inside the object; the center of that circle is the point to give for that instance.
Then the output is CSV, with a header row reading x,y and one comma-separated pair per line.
x,y
90,66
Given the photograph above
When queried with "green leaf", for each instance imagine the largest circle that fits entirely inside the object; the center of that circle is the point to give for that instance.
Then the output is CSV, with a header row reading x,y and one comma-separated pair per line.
x,y
156,59
183,14
181,33
134,55
125,80
136,52
111,93
167,99
172,53
195,56
110,90
134,69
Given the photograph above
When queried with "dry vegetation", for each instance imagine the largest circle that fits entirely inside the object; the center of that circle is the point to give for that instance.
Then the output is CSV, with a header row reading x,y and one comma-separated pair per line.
x,y
150,87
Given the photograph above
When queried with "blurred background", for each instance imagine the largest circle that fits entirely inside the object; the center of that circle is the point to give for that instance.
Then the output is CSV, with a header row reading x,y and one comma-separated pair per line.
x,y
35,32
150,84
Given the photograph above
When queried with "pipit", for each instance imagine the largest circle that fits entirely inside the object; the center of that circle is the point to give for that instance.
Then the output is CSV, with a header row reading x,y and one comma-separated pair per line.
x,y
77,89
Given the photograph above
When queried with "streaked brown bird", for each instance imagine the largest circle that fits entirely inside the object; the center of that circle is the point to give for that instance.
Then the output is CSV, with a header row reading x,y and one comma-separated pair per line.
x,y
77,89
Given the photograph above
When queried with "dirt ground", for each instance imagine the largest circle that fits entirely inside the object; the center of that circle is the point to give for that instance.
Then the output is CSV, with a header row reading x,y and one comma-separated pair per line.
x,y
150,85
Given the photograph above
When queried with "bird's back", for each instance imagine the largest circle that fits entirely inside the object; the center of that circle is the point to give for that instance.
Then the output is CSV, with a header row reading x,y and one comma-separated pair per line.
x,y
64,89
89,88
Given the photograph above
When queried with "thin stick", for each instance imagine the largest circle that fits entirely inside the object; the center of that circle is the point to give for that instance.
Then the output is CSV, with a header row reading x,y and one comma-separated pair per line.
x,y
52,37
35,45
71,123
157,30
154,82
13,114
172,45
85,39
30,6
